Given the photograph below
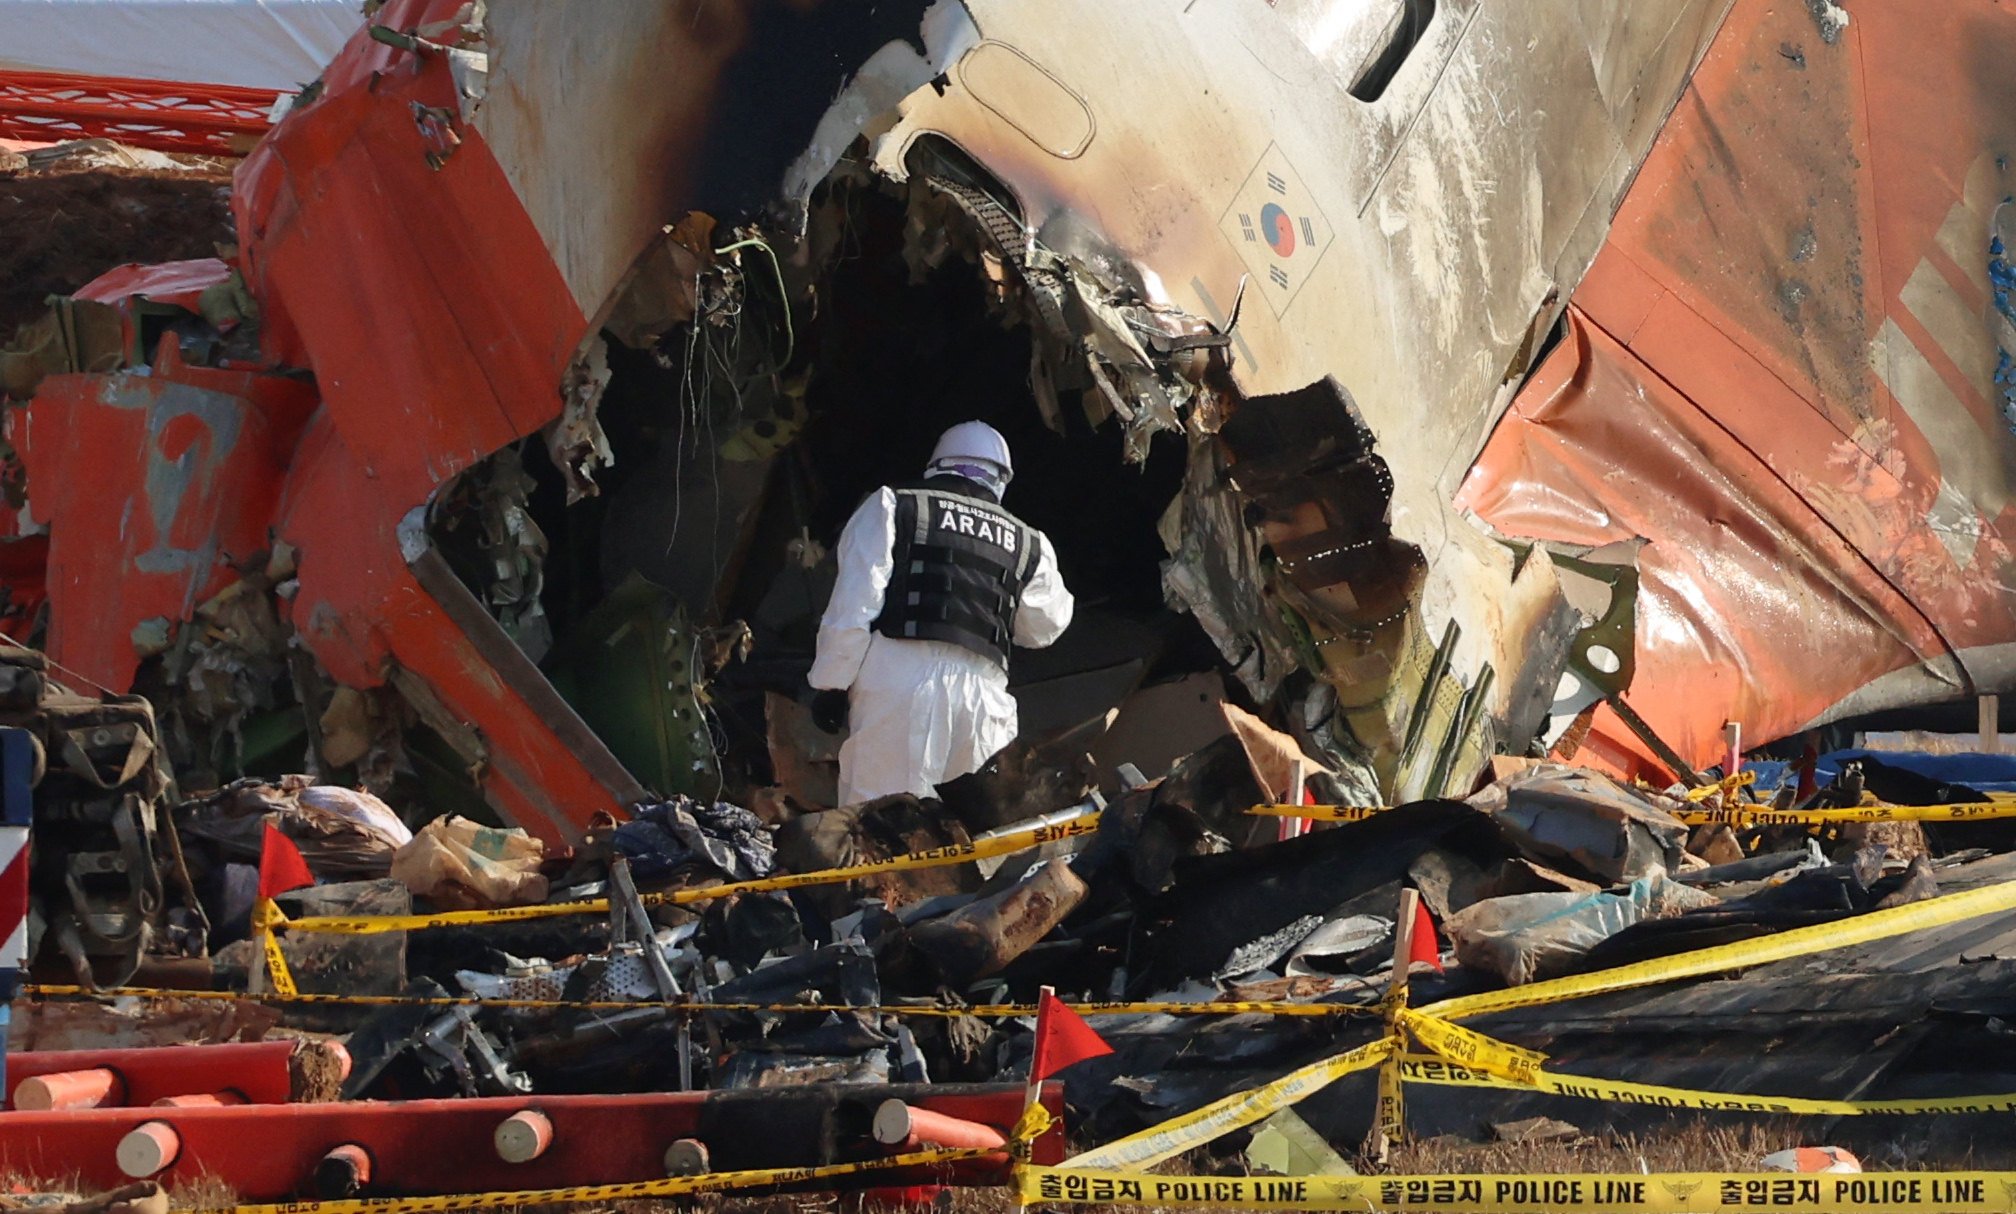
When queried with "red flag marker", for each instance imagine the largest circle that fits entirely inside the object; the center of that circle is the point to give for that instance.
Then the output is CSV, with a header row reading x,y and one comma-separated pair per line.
x,y
1062,1038
1423,947
281,867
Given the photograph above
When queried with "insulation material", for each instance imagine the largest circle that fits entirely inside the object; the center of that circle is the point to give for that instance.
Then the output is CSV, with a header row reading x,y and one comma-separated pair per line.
x,y
1527,937
342,832
360,807
1607,830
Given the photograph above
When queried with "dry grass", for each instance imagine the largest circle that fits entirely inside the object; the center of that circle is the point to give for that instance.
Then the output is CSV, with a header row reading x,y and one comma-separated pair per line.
x,y
18,1191
203,1193
1690,1148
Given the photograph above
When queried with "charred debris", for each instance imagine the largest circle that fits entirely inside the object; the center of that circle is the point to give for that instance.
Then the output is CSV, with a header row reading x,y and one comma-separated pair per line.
x,y
1179,896
660,555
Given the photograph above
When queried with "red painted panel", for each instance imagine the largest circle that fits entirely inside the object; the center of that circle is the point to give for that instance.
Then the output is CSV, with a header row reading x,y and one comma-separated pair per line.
x,y
436,328
175,116
180,283
266,1153
433,316
24,564
151,485
1780,374
258,1071
1749,606
359,608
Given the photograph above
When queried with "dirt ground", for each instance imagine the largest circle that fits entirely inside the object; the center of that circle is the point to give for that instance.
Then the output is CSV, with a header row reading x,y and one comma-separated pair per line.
x,y
62,227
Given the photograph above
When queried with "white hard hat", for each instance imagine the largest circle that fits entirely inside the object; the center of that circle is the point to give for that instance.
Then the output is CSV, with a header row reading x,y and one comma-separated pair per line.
x,y
974,440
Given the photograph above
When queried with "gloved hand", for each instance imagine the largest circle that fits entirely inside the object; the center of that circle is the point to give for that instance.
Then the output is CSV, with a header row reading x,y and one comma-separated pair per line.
x,y
829,710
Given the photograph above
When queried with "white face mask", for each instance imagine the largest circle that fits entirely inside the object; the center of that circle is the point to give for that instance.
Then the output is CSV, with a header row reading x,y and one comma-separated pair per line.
x,y
980,472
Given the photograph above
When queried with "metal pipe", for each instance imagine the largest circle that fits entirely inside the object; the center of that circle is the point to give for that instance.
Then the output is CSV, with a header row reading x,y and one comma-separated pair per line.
x,y
148,1149
898,1124
344,1172
523,1136
1054,818
686,1157
201,1100
65,1091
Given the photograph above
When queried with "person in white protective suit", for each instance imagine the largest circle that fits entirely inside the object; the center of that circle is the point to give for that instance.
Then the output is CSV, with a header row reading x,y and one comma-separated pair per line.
x,y
936,581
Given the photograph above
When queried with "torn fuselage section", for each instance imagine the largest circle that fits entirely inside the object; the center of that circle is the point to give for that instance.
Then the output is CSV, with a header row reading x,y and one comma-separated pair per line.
x,y
749,385
1280,541
757,384
644,550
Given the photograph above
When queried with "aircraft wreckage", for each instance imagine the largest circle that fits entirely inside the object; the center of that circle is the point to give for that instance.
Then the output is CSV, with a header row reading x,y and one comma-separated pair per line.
x,y
1411,372
1410,389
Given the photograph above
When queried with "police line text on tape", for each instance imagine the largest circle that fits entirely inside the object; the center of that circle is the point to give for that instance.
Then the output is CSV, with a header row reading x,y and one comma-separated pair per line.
x,y
1655,1193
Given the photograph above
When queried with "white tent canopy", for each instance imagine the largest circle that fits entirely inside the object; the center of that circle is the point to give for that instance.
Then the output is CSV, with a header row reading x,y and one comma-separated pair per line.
x,y
271,44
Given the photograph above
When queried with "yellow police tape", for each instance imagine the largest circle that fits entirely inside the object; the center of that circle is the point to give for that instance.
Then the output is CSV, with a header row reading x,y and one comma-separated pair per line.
x,y
276,965
1466,1047
265,917
937,857
984,1010
1797,942
1654,1193
1390,1113
1722,787
1466,1058
1429,1069
1521,1066
1759,815
674,1186
1179,1134
1322,813
1735,814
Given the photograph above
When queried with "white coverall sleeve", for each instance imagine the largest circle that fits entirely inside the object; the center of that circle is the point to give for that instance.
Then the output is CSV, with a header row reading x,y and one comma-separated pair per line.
x,y
866,557
1046,607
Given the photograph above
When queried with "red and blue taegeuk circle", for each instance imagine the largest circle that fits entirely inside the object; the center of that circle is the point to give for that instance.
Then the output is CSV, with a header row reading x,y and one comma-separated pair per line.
x,y
1279,230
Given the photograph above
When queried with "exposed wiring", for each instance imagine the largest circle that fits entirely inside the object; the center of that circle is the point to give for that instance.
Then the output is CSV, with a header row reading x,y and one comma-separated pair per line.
x,y
704,717
776,269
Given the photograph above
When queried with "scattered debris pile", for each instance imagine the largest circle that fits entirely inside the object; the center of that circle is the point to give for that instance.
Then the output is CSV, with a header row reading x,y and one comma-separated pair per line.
x,y
474,549
891,977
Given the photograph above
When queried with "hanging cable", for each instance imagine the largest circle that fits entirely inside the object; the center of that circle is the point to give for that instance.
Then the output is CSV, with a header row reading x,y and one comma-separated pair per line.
x,y
783,298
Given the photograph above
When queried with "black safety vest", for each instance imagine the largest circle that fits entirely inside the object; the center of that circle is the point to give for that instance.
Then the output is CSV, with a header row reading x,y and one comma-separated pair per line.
x,y
961,564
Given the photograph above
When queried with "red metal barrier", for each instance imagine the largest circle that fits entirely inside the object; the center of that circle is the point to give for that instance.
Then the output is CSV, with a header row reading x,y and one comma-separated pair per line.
x,y
259,1072
170,116
268,1153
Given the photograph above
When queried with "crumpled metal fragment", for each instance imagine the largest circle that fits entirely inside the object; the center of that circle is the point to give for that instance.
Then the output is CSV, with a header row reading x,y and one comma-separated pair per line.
x,y
576,440
509,547
1091,326
1259,954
